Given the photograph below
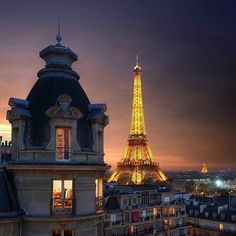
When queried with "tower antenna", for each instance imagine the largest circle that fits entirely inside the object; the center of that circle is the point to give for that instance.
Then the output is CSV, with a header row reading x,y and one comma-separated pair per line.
x,y
137,60
59,37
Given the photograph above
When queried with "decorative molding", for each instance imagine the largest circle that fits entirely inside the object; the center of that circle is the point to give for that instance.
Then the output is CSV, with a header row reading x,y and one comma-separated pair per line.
x,y
63,109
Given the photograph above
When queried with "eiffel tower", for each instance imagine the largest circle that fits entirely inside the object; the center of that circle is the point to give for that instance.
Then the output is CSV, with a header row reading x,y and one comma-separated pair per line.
x,y
137,165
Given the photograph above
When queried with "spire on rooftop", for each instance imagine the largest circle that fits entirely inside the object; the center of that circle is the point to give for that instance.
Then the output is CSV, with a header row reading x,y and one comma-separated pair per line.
x,y
59,37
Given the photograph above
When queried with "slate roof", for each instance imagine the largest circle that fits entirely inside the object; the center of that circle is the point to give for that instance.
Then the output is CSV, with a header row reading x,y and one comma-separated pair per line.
x,y
9,205
44,95
55,79
211,213
112,205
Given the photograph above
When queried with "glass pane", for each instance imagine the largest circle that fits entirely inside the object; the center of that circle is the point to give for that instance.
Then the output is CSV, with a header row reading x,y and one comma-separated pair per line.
x,y
67,232
59,143
66,143
57,194
56,232
68,193
96,191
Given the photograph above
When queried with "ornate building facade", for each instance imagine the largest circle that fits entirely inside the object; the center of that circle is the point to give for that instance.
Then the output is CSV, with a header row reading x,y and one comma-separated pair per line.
x,y
52,185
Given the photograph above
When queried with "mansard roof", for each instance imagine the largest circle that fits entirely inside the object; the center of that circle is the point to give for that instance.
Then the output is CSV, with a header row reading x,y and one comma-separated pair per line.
x,y
56,79
112,205
44,95
9,205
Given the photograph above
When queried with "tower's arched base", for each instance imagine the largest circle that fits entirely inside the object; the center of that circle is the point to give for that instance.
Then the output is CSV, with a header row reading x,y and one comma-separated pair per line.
x,y
134,173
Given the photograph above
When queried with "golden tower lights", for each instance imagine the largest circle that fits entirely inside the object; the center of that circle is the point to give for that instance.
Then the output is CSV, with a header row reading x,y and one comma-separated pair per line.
x,y
137,165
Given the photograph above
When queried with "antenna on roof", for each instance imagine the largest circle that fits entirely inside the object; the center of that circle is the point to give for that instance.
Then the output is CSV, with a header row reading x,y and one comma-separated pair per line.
x,y
59,37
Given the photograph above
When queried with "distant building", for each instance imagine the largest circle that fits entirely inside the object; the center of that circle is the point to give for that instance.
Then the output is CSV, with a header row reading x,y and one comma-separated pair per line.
x,y
212,217
204,169
5,152
52,185
144,210
179,185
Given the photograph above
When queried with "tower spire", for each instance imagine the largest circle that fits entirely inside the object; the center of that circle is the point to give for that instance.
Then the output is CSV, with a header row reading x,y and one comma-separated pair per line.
x,y
137,121
137,68
59,37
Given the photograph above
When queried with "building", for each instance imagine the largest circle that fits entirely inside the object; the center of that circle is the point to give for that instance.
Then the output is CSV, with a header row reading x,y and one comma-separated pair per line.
x,y
137,165
144,210
52,186
5,151
204,169
211,217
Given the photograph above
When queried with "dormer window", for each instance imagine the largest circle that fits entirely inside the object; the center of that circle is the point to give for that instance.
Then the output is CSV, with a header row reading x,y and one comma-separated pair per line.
x,y
63,143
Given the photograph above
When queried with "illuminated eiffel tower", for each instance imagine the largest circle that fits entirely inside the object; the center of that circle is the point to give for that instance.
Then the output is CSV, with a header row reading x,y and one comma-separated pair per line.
x,y
137,165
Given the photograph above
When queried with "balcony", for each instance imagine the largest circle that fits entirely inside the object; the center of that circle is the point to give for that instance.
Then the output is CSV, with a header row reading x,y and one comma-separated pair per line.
x,y
63,154
62,207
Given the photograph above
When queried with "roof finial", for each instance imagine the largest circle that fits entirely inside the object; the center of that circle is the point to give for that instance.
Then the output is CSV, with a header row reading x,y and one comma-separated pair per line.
x,y
58,37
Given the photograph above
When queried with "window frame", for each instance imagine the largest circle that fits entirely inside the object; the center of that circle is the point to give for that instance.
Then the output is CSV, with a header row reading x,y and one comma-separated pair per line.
x,y
63,200
63,159
63,231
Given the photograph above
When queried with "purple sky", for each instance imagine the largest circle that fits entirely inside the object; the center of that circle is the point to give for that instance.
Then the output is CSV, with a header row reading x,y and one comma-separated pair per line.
x,y
187,52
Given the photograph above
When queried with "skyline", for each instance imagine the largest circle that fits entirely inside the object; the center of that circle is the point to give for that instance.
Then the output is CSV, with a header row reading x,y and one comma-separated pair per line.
x,y
188,74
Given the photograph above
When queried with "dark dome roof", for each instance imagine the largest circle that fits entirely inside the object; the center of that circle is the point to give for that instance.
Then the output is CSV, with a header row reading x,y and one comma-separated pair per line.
x,y
44,95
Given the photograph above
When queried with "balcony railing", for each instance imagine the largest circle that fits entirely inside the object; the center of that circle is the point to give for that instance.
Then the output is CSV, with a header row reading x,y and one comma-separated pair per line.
x,y
63,154
62,206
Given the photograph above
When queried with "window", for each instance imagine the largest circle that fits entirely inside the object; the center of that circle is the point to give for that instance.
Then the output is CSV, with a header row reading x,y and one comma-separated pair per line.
x,y
155,211
166,200
99,187
144,214
221,226
145,200
171,211
62,232
62,196
132,229
99,194
113,218
63,144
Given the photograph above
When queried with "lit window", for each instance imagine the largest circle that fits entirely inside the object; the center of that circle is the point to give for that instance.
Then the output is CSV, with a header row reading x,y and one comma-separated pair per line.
x,y
62,196
63,143
171,210
97,188
62,232
155,211
99,193
221,226
165,224
133,229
